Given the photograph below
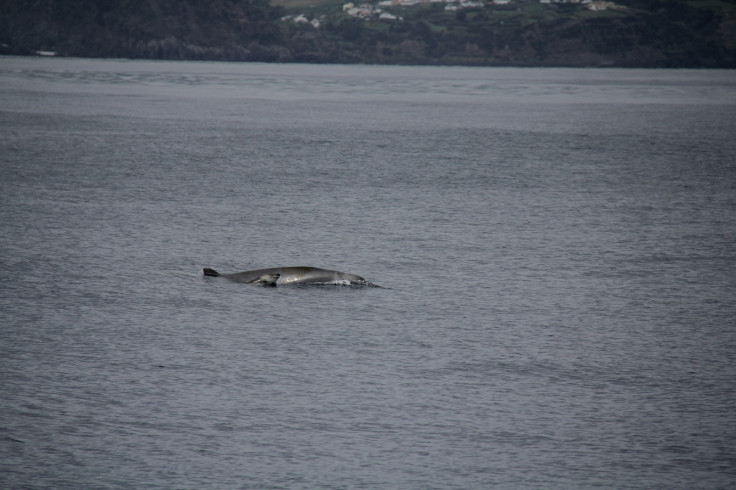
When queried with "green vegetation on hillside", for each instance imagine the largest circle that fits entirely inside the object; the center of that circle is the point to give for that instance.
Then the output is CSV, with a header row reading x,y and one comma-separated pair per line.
x,y
633,33
163,29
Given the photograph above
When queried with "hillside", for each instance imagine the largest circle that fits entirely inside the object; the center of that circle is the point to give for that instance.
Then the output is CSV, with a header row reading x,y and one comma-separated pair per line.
x,y
627,33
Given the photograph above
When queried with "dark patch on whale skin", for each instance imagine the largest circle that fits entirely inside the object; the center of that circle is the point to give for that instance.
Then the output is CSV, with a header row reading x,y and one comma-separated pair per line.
x,y
268,280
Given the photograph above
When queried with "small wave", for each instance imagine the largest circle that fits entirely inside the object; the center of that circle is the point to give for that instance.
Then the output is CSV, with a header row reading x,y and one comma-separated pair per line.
x,y
345,282
367,284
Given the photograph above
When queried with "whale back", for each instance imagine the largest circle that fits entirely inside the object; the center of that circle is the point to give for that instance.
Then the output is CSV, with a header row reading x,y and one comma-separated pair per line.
x,y
251,276
289,275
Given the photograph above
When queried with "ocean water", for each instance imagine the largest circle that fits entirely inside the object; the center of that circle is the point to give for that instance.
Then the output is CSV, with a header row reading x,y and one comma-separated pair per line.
x,y
557,250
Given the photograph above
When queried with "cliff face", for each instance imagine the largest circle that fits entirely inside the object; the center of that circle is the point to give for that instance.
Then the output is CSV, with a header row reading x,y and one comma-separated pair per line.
x,y
159,29
638,33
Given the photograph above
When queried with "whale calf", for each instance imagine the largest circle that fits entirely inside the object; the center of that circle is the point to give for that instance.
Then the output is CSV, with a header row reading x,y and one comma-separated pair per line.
x,y
289,275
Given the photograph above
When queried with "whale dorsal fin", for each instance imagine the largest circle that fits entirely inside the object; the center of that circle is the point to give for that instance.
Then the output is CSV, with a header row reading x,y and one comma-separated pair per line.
x,y
210,272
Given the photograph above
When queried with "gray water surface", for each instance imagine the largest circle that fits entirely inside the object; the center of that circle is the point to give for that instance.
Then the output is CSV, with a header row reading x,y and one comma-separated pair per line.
x,y
557,250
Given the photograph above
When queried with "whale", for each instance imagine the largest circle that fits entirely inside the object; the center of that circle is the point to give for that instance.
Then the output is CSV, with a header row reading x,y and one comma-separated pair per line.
x,y
290,275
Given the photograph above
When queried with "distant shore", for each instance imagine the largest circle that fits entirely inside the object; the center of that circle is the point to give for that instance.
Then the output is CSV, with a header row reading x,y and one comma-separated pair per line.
x,y
625,33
